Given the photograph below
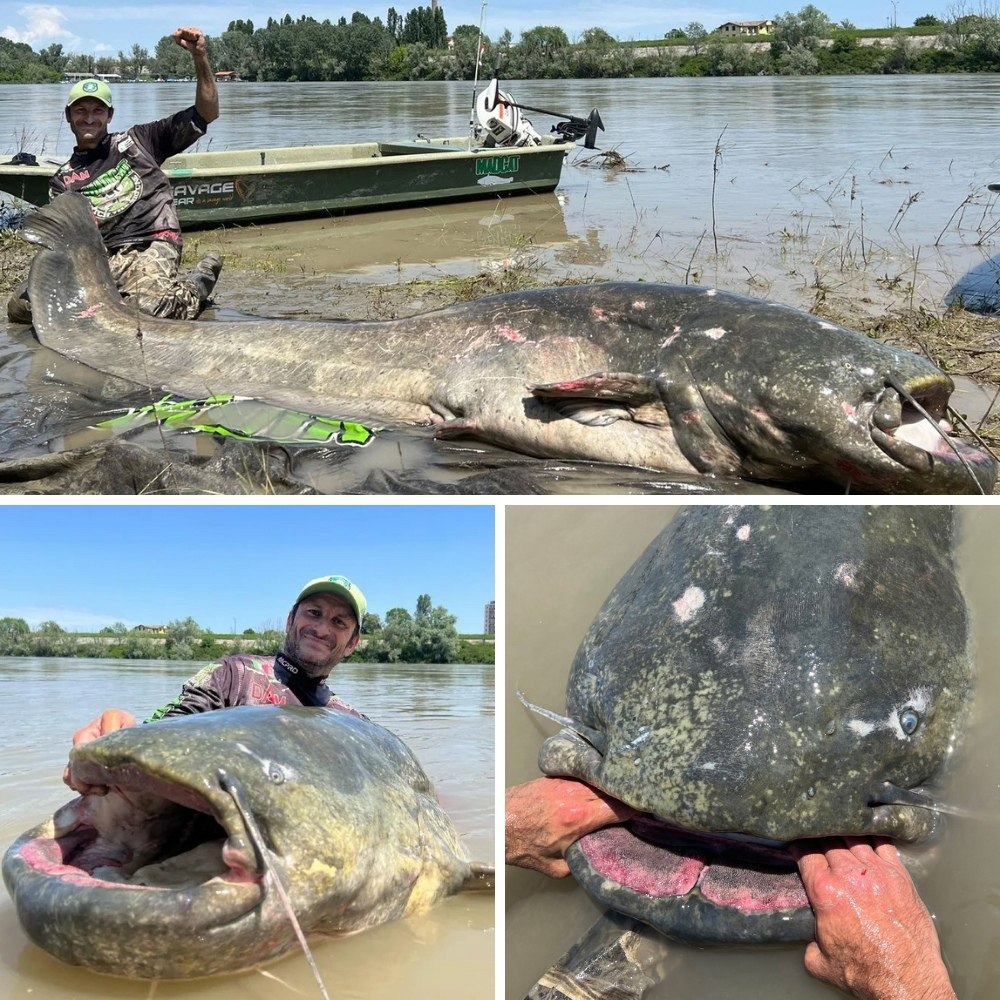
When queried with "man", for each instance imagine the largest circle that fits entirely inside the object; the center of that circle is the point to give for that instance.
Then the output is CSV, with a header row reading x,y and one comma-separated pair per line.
x,y
322,629
131,197
874,936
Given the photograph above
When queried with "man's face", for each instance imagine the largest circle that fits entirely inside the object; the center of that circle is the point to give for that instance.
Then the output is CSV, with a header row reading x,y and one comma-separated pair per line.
x,y
320,633
88,118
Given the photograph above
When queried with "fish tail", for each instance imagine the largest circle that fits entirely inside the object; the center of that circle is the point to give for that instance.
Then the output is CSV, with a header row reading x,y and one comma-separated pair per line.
x,y
70,280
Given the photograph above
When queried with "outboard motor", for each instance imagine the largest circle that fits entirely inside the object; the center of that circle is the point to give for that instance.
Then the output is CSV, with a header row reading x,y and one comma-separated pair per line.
x,y
500,120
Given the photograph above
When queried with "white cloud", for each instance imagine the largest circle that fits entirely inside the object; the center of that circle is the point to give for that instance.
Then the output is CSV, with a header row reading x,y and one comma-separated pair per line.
x,y
43,25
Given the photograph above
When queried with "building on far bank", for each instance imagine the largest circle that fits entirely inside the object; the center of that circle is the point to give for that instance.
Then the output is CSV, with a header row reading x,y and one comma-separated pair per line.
x,y
158,629
490,618
745,28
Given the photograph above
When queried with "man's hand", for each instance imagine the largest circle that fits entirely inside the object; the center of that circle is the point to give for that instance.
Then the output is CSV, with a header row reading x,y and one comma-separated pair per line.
x,y
192,39
107,722
546,815
874,936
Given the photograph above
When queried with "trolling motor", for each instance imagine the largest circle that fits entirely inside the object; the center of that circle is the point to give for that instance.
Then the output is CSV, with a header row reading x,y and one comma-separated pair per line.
x,y
501,119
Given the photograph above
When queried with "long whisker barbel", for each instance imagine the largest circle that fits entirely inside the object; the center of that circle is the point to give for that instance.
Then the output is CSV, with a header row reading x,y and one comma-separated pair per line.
x,y
235,792
895,383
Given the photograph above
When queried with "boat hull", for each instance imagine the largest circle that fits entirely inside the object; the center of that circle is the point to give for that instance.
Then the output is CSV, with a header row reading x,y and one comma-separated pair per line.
x,y
270,184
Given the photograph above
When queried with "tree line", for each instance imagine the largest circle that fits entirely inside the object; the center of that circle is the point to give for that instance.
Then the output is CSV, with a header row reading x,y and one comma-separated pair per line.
x,y
428,635
417,46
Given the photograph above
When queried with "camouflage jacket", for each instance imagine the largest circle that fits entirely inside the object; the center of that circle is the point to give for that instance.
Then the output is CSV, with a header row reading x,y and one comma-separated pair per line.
x,y
249,680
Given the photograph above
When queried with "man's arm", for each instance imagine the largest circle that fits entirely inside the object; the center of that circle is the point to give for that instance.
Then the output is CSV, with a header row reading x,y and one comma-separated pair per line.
x,y
874,936
206,101
545,816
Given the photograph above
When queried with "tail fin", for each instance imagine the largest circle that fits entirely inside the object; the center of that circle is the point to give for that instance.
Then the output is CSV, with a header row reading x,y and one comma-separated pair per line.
x,y
70,281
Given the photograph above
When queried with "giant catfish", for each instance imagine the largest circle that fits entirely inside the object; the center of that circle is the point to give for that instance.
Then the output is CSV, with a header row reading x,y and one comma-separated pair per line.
x,y
163,877
675,378
763,675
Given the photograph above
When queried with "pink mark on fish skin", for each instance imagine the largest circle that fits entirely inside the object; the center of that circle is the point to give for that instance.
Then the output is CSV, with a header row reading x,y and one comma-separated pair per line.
x,y
743,532
509,333
846,574
89,311
691,601
716,333
639,304
670,340
849,409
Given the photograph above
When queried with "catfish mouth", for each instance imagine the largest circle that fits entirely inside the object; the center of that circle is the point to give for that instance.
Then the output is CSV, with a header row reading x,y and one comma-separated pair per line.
x,y
702,887
149,833
909,424
712,888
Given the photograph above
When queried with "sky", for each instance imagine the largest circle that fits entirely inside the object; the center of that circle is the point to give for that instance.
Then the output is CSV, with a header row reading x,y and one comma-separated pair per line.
x,y
231,567
101,27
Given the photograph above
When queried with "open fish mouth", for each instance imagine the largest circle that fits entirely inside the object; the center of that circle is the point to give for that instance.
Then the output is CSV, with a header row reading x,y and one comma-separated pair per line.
x,y
150,833
704,887
910,424
696,886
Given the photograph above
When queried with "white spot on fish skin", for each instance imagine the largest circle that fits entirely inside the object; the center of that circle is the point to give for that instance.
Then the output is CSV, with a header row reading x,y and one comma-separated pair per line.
x,y
688,603
846,575
639,304
711,292
708,767
827,326
716,333
860,728
669,340
866,371
743,532
826,391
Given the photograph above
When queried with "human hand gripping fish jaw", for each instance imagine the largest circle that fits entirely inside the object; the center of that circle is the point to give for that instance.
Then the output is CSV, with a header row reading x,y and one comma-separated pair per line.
x,y
750,728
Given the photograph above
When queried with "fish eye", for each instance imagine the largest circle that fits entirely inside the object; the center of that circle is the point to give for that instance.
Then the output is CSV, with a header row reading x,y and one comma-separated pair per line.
x,y
909,720
276,774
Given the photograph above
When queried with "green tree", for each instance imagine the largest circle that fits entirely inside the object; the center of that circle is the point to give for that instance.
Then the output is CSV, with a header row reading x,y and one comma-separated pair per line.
x,y
371,623
51,639
542,53
183,638
397,635
927,21
15,635
803,30
696,36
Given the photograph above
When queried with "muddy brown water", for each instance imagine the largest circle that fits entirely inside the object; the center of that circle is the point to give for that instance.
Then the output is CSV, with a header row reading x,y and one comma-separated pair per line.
x,y
561,563
863,191
444,713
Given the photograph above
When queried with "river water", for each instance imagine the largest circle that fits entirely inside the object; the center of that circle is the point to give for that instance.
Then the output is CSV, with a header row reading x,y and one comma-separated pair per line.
x,y
445,715
856,177
867,191
585,551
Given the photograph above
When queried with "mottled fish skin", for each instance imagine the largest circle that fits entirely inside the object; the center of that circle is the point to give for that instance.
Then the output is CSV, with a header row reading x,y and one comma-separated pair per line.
x,y
350,819
674,378
765,671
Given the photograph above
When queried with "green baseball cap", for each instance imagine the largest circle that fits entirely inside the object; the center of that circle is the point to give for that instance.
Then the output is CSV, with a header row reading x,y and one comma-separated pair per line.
x,y
97,89
340,586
